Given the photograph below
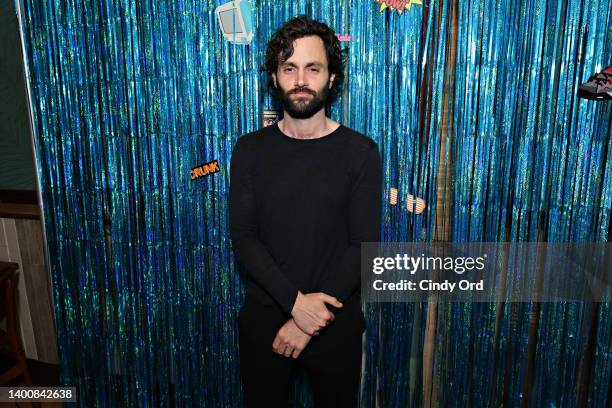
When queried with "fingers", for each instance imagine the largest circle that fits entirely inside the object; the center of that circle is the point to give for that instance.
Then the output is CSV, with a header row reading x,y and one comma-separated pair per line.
x,y
287,350
323,319
330,299
279,346
283,346
313,326
320,326
312,315
276,344
315,321
280,343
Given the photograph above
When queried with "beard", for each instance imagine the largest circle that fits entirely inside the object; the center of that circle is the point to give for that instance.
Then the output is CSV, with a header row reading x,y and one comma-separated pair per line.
x,y
303,107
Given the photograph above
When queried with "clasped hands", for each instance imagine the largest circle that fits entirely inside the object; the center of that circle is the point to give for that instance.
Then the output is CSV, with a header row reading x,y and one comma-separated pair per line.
x,y
309,317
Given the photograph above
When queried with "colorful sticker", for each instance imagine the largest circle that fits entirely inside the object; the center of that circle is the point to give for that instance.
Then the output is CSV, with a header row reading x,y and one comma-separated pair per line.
x,y
205,169
397,5
235,19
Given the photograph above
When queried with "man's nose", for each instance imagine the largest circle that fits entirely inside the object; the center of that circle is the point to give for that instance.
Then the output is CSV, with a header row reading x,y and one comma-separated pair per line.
x,y
301,78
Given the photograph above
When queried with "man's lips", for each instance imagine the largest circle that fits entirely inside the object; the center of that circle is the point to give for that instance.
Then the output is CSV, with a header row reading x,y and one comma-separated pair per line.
x,y
301,94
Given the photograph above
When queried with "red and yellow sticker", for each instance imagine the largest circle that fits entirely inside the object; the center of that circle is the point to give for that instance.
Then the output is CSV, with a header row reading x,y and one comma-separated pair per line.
x,y
397,5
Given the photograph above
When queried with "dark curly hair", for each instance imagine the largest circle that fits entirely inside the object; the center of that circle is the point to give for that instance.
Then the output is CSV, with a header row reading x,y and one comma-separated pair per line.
x,y
280,49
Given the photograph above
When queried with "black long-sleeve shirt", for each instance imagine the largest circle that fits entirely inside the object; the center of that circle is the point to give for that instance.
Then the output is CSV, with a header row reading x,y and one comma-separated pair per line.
x,y
299,210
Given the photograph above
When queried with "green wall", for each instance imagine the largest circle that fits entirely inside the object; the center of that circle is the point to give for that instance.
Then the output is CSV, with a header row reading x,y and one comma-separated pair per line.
x,y
17,171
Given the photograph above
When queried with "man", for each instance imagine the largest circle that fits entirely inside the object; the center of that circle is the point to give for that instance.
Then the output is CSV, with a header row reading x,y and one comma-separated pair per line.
x,y
304,194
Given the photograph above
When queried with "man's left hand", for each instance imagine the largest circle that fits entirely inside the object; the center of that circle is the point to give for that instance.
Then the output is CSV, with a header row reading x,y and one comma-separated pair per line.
x,y
290,340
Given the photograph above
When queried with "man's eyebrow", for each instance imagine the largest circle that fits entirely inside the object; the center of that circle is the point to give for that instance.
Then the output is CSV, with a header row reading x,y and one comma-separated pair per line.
x,y
310,64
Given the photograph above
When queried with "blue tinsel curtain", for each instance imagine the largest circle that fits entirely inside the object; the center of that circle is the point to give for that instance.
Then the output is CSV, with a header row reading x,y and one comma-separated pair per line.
x,y
474,107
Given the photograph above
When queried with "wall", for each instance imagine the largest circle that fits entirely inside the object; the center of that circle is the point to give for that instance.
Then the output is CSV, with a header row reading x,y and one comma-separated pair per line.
x,y
21,241
16,159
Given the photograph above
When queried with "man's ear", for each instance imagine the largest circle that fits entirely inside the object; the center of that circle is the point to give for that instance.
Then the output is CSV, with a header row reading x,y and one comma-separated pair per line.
x,y
274,80
331,80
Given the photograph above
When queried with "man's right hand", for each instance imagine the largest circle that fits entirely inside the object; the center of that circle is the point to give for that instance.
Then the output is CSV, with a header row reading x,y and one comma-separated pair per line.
x,y
310,314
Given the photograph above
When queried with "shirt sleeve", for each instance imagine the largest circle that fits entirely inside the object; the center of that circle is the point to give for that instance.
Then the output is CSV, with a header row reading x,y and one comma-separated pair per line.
x,y
248,248
364,225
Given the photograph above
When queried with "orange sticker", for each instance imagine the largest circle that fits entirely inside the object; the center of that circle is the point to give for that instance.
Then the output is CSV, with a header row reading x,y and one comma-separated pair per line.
x,y
205,169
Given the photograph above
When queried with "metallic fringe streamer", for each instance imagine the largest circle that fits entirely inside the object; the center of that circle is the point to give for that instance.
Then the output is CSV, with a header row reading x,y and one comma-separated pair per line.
x,y
128,96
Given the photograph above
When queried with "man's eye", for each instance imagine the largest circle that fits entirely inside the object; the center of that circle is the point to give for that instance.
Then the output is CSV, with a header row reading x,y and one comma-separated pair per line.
x,y
288,69
314,69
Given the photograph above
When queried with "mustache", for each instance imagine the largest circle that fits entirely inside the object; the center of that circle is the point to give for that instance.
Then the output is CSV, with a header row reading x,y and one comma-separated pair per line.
x,y
300,90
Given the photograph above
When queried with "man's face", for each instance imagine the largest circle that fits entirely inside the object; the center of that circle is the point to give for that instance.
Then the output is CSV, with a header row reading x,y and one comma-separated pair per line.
x,y
303,81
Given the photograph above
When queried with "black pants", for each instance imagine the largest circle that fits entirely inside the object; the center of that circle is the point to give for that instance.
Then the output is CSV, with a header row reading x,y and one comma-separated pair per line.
x,y
331,360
